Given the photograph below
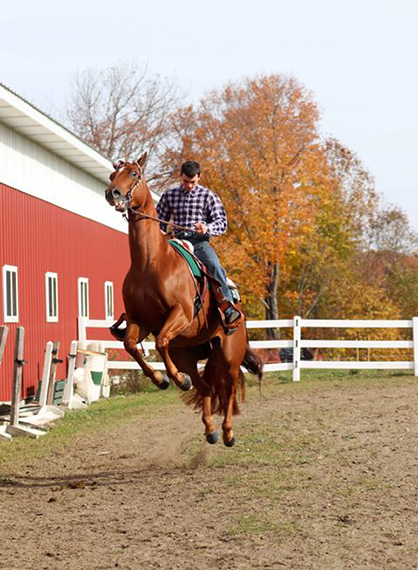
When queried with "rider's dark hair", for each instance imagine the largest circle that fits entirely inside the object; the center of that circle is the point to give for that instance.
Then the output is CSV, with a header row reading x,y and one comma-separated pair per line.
x,y
190,168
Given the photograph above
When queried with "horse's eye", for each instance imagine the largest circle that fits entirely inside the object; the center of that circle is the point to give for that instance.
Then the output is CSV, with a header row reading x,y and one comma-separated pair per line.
x,y
134,173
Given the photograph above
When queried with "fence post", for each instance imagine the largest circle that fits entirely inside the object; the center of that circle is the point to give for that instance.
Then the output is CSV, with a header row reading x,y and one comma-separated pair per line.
x,y
4,331
17,376
45,374
82,334
68,391
296,349
53,373
15,428
415,340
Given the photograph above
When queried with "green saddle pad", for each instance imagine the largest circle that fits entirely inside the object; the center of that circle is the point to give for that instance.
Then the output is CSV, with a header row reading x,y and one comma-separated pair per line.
x,y
188,257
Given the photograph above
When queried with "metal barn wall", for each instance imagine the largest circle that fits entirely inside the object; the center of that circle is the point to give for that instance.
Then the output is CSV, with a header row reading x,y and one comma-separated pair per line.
x,y
37,237
26,165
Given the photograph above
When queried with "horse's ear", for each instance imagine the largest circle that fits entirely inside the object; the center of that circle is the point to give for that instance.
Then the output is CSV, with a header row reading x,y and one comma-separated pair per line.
x,y
141,161
117,164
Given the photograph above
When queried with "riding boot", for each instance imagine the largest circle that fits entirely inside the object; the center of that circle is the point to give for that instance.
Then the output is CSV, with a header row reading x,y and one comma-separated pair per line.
x,y
231,317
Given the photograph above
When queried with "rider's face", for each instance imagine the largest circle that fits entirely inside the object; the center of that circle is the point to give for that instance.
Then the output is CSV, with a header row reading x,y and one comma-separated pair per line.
x,y
189,184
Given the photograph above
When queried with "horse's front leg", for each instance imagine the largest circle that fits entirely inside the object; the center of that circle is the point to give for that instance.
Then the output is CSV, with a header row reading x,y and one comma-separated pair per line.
x,y
133,336
176,323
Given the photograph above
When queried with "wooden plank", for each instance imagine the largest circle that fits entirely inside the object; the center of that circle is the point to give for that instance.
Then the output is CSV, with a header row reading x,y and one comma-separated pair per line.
x,y
283,323
17,376
69,386
354,364
415,337
4,331
53,373
82,321
46,373
96,323
356,343
360,324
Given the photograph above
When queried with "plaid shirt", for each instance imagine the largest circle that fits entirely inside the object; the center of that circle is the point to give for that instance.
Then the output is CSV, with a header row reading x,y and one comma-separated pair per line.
x,y
188,208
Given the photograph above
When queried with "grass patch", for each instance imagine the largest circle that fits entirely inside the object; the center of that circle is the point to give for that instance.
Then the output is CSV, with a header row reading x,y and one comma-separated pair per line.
x,y
261,523
100,416
271,441
328,379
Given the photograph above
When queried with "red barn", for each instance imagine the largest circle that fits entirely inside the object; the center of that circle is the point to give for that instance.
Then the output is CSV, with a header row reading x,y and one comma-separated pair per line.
x,y
63,249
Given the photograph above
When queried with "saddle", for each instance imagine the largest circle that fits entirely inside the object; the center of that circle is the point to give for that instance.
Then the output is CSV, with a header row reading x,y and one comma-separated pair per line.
x,y
202,275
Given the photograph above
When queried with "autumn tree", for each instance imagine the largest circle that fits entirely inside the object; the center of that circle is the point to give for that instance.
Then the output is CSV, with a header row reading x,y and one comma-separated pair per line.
x,y
123,110
259,145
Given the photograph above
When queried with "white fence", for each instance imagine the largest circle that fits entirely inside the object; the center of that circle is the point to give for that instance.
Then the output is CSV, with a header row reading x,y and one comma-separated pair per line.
x,y
297,343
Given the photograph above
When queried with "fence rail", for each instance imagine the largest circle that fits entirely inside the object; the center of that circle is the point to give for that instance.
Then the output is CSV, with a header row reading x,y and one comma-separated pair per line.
x,y
296,344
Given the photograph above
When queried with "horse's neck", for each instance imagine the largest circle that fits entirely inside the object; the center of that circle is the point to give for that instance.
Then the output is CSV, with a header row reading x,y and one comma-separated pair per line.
x,y
146,241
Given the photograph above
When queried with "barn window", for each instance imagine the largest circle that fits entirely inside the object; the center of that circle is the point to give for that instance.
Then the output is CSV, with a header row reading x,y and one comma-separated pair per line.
x,y
109,300
51,287
10,294
83,297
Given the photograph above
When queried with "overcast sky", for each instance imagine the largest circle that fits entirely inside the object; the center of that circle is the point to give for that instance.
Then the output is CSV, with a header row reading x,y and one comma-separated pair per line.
x,y
359,59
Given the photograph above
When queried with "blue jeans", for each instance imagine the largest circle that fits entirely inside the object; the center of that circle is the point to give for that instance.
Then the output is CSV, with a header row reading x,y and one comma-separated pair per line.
x,y
208,257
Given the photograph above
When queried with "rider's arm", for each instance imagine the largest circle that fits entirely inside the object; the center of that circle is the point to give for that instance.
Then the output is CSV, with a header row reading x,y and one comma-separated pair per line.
x,y
217,221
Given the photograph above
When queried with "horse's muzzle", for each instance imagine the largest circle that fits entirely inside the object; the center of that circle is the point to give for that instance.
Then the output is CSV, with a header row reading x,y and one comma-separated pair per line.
x,y
120,202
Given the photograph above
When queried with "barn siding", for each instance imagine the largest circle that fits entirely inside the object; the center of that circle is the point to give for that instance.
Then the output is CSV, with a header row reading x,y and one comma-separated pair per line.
x,y
29,167
37,236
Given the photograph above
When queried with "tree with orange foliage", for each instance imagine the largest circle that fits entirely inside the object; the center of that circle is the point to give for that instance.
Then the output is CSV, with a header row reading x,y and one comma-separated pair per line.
x,y
259,147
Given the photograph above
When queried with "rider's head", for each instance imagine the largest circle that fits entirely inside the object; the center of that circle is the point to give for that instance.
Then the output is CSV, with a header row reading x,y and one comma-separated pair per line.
x,y
190,174
190,168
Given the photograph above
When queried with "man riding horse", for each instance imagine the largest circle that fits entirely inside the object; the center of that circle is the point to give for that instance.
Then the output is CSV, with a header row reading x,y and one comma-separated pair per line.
x,y
192,205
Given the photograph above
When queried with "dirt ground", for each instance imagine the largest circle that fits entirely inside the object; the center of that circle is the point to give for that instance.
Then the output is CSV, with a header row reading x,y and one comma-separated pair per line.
x,y
332,485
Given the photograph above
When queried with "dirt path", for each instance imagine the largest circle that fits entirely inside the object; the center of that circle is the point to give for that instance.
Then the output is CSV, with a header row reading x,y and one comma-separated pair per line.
x,y
323,477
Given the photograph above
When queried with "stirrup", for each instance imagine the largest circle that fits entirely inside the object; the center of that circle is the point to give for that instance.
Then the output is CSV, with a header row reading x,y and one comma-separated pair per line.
x,y
229,328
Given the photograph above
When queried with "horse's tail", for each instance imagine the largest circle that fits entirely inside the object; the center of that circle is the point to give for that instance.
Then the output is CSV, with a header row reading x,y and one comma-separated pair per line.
x,y
253,363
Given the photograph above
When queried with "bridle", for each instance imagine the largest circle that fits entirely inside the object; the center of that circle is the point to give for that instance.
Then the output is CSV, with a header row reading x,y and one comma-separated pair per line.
x,y
128,196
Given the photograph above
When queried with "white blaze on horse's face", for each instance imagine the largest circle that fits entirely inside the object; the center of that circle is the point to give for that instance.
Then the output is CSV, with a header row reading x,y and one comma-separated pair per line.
x,y
123,183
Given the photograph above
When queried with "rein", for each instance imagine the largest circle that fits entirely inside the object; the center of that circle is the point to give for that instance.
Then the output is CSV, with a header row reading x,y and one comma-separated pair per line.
x,y
147,217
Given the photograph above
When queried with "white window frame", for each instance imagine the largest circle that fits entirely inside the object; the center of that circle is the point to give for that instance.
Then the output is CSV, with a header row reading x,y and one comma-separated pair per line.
x,y
51,311
13,317
109,300
83,297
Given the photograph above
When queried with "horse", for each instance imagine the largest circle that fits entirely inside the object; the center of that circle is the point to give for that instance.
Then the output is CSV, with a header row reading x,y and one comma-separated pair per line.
x,y
159,293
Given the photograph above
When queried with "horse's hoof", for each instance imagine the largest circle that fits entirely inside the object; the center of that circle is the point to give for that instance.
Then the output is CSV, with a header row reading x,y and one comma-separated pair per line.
x,y
164,384
212,437
187,383
230,443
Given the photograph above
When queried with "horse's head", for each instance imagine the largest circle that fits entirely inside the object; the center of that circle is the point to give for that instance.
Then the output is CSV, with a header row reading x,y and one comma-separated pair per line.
x,y
127,188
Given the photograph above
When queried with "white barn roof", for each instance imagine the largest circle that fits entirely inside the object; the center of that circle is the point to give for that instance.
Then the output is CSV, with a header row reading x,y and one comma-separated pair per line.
x,y
22,117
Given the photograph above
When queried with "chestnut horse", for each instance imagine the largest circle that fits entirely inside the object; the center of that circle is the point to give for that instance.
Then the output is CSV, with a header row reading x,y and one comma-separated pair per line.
x,y
159,293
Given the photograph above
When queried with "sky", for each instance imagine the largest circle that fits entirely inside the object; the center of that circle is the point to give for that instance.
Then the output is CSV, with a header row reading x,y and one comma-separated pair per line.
x,y
358,58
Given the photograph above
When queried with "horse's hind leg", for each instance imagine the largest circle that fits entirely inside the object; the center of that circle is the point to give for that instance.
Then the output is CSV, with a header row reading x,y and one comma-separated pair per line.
x,y
205,388
134,335
231,379
186,359
211,433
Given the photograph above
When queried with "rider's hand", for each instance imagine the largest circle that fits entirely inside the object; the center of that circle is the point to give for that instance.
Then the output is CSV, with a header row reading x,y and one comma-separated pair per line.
x,y
201,228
